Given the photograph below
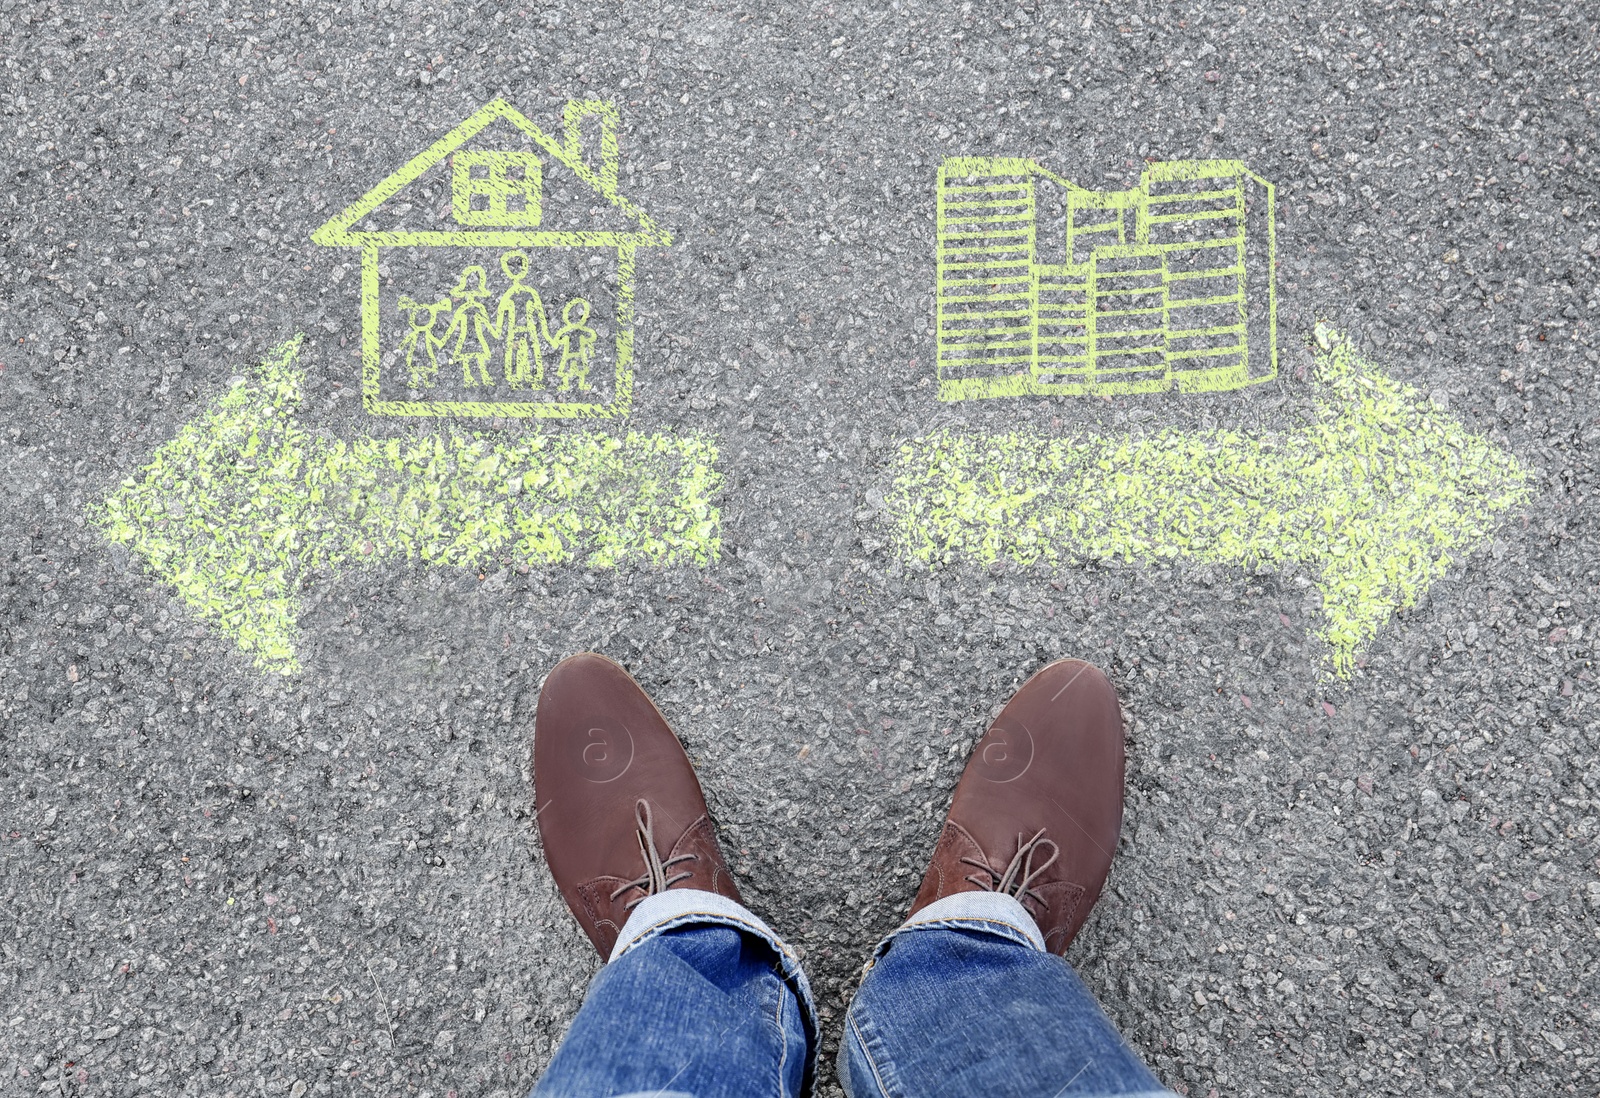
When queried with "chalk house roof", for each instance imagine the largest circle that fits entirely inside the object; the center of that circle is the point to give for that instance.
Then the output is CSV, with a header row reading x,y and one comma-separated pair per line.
x,y
340,231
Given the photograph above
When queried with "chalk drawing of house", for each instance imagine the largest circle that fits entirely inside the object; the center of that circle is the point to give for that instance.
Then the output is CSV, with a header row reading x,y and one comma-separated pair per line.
x,y
1046,287
499,193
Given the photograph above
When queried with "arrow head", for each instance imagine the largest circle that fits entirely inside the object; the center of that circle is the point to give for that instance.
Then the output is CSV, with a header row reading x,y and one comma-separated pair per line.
x,y
220,509
1413,491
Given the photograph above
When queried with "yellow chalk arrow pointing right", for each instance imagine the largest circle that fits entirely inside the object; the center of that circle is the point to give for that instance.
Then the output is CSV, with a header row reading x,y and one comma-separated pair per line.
x,y
1383,492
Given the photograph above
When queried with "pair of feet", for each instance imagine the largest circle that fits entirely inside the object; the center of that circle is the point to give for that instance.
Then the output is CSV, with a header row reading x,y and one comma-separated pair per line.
x,y
1036,815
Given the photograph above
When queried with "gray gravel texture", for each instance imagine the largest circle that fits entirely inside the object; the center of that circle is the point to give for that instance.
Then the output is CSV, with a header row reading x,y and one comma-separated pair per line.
x,y
222,882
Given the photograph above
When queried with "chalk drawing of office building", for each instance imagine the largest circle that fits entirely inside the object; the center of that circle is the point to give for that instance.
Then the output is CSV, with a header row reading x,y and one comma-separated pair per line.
x,y
1046,287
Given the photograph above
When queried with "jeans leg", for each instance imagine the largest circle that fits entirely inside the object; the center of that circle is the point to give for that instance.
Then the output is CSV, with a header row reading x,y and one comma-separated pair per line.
x,y
693,1005
972,1004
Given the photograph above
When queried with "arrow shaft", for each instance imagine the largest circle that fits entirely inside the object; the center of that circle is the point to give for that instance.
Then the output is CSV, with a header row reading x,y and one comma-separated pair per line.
x,y
464,500
1034,499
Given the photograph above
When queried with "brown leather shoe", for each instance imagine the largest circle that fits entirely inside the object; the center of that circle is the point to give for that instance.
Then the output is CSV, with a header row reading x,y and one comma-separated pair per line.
x,y
620,811
1039,808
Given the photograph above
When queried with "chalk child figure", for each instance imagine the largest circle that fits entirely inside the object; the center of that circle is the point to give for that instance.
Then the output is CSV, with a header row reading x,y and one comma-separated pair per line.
x,y
525,336
422,368
471,326
575,339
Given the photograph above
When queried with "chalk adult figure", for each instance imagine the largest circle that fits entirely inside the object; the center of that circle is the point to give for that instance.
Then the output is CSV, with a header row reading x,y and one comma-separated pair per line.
x,y
521,319
575,340
473,331
422,369
968,997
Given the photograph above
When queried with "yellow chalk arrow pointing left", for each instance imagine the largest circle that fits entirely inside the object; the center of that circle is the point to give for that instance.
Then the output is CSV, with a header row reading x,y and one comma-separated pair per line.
x,y
245,501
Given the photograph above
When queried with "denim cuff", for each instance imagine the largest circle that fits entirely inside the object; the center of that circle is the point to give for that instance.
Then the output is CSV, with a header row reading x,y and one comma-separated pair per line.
x,y
677,908
990,912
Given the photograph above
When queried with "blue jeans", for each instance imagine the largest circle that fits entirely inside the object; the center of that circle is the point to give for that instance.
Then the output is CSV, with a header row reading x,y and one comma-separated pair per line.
x,y
701,1000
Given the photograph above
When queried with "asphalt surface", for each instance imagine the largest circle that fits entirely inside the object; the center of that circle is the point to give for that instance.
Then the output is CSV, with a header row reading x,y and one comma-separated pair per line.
x,y
218,881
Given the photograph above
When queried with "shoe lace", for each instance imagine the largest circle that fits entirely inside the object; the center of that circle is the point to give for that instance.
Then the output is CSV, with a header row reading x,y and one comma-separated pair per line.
x,y
655,877
1019,875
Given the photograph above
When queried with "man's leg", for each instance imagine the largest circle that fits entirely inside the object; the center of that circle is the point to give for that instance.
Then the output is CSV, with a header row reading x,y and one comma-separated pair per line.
x,y
970,996
970,1003
699,997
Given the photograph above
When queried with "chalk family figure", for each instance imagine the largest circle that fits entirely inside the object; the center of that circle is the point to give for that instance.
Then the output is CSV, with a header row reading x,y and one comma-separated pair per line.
x,y
519,330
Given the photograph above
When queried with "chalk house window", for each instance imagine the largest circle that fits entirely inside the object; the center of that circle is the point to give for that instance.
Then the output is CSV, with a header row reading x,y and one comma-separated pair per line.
x,y
495,187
